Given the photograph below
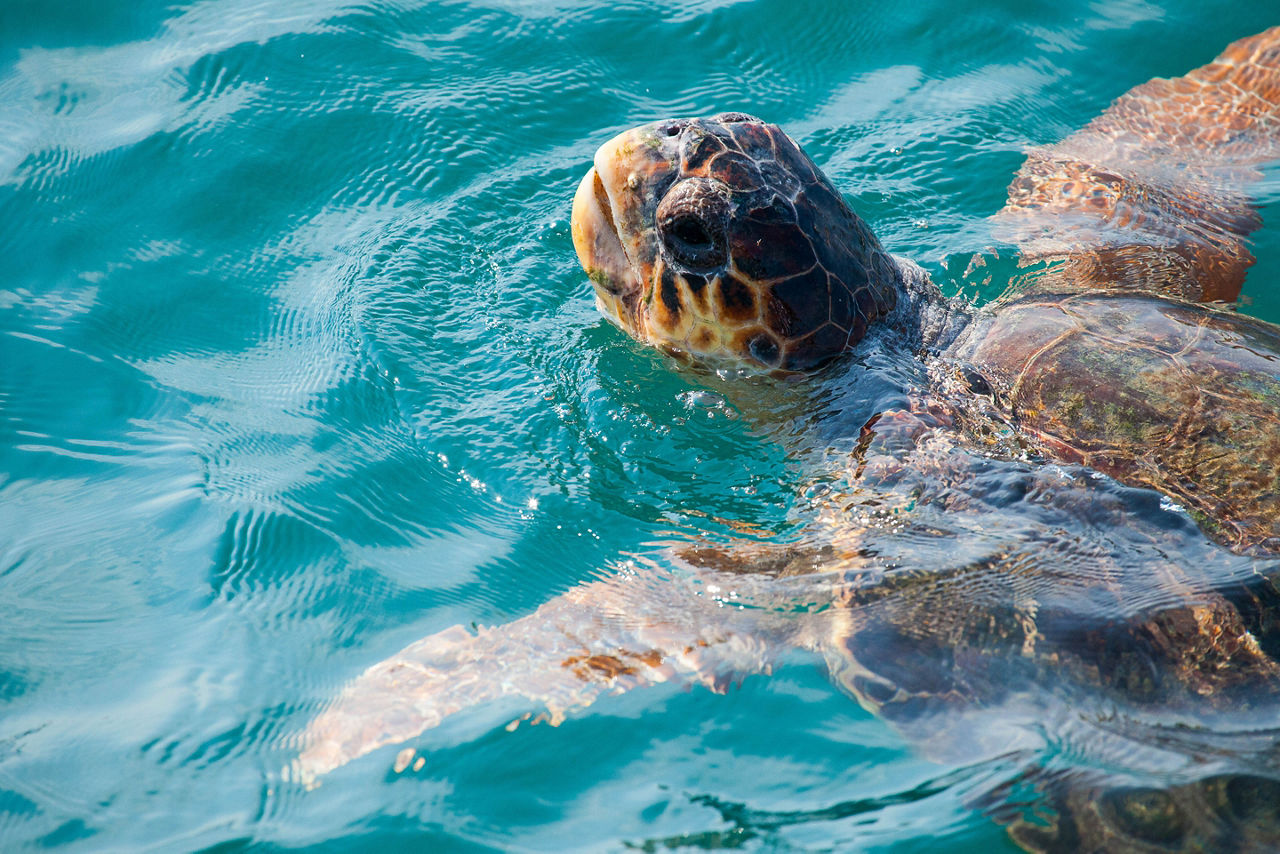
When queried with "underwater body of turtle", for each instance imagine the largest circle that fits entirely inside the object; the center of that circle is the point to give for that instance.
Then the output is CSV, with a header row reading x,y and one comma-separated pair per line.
x,y
956,448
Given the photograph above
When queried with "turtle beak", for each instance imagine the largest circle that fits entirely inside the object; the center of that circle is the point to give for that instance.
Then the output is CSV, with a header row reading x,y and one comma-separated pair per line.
x,y
606,233
595,237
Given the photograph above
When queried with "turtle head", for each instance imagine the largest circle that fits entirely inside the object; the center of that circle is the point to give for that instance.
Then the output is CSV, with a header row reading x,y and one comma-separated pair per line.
x,y
718,238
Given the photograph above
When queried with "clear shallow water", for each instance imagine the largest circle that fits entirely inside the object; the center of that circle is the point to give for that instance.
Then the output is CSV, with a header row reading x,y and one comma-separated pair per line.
x,y
297,366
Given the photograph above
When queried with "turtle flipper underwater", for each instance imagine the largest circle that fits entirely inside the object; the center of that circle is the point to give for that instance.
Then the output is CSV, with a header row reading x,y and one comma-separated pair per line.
x,y
603,637
1153,194
1011,594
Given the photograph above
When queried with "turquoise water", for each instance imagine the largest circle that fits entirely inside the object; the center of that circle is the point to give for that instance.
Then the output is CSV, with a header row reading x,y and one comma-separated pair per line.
x,y
297,366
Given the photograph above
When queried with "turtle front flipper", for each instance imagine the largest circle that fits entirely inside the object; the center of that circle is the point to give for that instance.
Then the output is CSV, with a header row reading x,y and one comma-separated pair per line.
x,y
1153,194
600,638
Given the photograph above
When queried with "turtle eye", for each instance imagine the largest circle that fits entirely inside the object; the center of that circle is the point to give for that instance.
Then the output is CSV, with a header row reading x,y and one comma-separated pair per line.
x,y
690,242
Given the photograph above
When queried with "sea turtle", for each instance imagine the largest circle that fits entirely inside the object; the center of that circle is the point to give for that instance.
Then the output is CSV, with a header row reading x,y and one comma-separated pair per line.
x,y
1003,548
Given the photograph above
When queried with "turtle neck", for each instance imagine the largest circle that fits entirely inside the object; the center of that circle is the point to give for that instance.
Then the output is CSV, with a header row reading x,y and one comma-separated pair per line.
x,y
925,318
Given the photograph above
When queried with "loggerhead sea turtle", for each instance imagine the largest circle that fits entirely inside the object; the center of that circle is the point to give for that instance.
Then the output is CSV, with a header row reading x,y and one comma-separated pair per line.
x,y
971,618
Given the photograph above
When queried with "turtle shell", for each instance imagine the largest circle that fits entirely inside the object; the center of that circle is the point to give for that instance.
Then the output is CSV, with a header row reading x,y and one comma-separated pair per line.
x,y
1184,399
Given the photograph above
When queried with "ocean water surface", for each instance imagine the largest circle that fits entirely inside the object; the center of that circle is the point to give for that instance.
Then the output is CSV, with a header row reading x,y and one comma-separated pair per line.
x,y
297,366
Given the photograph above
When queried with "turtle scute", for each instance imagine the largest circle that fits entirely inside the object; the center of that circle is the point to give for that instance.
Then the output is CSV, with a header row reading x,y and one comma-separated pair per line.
x,y
1183,399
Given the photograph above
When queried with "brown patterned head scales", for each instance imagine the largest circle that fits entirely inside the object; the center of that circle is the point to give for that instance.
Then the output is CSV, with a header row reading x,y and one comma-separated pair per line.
x,y
718,238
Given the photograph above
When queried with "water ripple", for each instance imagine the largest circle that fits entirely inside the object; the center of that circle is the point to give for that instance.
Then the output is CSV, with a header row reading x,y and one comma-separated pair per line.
x,y
296,366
